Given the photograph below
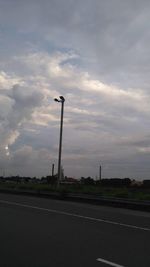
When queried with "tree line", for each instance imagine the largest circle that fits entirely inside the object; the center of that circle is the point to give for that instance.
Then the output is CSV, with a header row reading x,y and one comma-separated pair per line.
x,y
107,182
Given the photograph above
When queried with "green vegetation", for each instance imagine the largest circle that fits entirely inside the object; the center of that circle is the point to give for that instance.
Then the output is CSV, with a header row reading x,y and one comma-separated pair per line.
x,y
136,193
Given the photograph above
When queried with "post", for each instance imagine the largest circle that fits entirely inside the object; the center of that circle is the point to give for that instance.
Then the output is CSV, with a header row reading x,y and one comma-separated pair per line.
x,y
60,143
100,172
61,100
53,169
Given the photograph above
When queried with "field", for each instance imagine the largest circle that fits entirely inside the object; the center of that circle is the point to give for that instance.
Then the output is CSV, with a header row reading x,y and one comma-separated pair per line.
x,y
136,193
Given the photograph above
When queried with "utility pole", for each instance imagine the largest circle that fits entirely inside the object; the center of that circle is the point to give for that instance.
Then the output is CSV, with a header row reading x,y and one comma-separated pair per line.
x,y
100,172
53,166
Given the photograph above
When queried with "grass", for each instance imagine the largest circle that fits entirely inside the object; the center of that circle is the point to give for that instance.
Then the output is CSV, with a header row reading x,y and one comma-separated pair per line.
x,y
127,193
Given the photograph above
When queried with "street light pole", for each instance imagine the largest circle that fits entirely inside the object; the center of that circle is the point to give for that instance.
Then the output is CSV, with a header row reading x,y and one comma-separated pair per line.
x,y
61,100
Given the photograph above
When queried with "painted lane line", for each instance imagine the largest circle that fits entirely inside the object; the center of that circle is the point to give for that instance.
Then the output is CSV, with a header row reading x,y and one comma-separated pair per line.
x,y
109,263
76,215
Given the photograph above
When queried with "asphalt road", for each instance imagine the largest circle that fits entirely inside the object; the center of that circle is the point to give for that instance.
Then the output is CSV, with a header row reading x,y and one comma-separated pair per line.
x,y
40,232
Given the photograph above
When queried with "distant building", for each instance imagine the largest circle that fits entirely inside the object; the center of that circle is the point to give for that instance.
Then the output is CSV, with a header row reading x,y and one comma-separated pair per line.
x,y
69,180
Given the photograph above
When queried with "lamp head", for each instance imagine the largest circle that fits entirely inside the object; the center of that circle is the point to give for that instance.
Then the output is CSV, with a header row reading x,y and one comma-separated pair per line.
x,y
62,98
55,99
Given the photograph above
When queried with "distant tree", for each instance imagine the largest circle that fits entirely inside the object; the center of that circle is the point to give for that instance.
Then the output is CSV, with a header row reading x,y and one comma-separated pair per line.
x,y
82,180
127,182
116,182
51,179
146,183
87,181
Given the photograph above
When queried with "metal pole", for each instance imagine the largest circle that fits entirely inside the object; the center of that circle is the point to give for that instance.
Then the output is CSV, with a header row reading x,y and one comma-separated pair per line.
x,y
100,172
52,169
60,143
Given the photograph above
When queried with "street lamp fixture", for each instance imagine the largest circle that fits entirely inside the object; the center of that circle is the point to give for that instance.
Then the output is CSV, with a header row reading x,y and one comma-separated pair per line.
x,y
60,100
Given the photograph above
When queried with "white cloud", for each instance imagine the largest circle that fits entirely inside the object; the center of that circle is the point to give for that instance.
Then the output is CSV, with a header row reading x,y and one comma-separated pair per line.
x,y
7,81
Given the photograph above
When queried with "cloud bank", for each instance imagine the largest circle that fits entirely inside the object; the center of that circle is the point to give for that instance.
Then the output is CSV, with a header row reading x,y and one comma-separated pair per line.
x,y
96,56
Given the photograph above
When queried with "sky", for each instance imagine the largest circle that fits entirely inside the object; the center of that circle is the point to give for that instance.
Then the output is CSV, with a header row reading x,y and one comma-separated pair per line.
x,y
96,54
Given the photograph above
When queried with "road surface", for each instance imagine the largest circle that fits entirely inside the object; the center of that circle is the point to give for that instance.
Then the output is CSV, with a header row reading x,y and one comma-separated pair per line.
x,y
41,232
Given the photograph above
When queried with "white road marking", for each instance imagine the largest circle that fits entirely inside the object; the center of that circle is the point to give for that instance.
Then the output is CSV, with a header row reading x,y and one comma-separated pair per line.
x,y
76,215
109,263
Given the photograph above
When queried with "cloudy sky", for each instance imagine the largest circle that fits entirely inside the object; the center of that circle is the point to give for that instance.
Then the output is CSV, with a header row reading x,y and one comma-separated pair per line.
x,y
97,55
